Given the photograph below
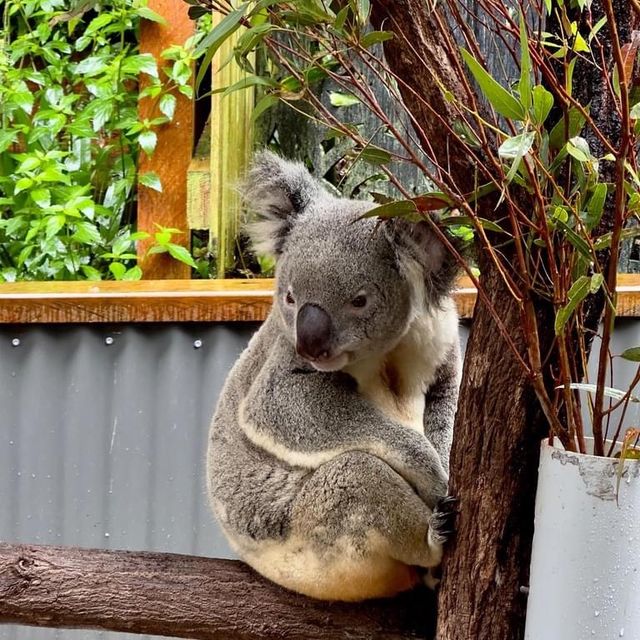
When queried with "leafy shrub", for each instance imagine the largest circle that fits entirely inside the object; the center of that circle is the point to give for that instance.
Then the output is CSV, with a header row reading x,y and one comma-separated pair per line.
x,y
70,135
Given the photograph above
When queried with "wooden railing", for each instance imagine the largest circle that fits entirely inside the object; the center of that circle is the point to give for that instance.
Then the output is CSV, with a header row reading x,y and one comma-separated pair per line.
x,y
189,301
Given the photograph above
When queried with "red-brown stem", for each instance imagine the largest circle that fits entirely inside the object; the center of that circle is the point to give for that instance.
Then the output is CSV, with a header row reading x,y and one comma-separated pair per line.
x,y
619,203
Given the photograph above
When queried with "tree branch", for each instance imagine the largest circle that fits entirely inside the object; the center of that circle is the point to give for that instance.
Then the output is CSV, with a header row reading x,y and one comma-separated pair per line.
x,y
187,597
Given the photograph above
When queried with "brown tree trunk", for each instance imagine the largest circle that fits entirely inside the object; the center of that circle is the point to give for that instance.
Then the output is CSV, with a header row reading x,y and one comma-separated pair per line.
x,y
499,423
187,597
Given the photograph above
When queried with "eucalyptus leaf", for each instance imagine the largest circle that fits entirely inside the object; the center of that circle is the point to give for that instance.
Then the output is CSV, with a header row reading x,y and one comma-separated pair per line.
x,y
578,292
517,146
501,100
633,354
542,104
338,99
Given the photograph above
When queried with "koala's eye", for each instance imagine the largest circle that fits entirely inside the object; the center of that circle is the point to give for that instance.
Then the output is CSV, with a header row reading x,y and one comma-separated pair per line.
x,y
289,298
359,301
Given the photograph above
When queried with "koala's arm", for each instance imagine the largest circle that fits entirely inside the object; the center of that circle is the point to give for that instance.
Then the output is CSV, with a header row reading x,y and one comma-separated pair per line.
x,y
441,402
306,418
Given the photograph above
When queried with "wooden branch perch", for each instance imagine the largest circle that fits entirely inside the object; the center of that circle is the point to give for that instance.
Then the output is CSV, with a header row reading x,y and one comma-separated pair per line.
x,y
187,597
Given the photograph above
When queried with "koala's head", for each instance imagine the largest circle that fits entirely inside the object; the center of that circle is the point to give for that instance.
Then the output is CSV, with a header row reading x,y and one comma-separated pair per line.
x,y
347,288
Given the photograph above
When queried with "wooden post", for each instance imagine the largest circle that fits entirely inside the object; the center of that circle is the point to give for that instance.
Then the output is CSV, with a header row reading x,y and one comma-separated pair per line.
x,y
173,152
186,597
231,144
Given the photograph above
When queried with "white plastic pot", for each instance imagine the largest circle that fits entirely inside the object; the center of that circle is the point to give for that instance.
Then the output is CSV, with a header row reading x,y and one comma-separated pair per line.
x,y
585,565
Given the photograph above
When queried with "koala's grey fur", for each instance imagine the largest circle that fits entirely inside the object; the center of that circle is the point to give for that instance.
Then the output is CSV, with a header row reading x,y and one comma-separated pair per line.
x,y
324,471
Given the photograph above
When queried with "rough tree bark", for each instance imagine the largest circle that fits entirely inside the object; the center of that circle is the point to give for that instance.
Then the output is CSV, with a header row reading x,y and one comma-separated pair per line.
x,y
499,422
186,597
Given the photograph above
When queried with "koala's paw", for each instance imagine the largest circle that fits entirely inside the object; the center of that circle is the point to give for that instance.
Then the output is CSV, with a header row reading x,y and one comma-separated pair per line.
x,y
442,521
432,577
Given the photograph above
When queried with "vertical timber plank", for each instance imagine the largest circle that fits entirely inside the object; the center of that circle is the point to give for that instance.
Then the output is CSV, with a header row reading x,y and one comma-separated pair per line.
x,y
231,144
173,152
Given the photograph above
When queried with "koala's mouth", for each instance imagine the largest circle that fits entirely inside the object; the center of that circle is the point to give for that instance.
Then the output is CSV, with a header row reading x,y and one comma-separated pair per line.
x,y
330,363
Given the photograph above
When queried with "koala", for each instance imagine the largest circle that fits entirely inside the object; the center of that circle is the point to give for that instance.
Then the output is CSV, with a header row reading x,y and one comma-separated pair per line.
x,y
328,451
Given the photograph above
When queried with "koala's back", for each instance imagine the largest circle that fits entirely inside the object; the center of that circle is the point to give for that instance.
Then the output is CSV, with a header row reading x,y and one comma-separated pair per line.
x,y
250,490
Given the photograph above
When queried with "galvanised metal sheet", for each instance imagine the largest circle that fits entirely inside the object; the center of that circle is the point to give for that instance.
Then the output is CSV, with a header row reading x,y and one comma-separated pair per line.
x,y
103,433
102,438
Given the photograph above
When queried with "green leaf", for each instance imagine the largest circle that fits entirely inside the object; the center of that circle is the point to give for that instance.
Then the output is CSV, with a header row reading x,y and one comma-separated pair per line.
x,y
42,197
542,104
249,81
399,209
488,225
87,233
343,99
181,254
265,103
633,354
578,148
152,180
375,155
216,37
501,100
517,146
150,14
375,37
557,138
148,141
91,273
98,23
604,241
91,66
118,270
576,295
610,392
7,138
28,164
101,113
580,244
54,224
524,85
595,206
596,282
140,63
21,185
135,273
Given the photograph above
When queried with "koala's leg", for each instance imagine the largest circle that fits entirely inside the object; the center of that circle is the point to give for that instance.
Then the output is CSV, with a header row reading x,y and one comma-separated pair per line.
x,y
358,530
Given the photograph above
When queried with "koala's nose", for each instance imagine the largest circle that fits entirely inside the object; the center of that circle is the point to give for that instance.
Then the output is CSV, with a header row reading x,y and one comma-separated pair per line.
x,y
314,331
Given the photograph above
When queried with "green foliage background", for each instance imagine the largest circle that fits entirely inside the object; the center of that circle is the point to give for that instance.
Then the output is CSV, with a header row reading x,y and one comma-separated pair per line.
x,y
70,136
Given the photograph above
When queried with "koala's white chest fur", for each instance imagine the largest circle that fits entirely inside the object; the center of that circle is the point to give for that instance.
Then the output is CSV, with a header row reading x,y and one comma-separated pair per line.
x,y
396,382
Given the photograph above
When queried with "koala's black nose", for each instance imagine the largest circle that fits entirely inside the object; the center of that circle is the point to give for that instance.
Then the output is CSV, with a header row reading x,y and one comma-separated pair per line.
x,y
314,331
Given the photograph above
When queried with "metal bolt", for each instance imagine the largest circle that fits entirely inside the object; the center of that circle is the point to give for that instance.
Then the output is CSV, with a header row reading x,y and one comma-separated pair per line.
x,y
197,344
15,342
108,340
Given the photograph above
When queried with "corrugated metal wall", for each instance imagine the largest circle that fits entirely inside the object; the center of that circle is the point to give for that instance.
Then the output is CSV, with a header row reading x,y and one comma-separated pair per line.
x,y
103,430
102,437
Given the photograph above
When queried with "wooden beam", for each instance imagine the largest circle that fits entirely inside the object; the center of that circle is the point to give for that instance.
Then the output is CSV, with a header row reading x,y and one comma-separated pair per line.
x,y
143,301
173,152
189,300
186,597
231,145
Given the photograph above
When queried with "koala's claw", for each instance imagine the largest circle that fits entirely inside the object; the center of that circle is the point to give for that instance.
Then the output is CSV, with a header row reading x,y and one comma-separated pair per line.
x,y
442,521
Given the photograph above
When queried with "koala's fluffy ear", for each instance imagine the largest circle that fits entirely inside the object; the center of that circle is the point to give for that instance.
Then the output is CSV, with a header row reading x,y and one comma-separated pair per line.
x,y
277,190
424,258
